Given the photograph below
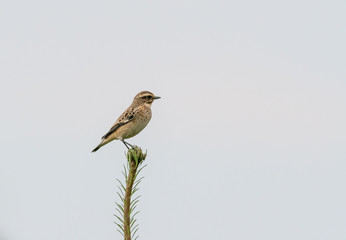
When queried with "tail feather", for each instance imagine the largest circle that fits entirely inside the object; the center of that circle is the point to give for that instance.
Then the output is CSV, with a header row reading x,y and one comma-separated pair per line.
x,y
97,148
103,142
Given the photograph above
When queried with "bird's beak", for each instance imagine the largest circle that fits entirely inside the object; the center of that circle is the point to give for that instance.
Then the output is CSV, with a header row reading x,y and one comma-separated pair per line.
x,y
156,97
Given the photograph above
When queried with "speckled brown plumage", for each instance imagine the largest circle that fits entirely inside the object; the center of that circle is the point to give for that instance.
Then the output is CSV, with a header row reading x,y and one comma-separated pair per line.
x,y
132,121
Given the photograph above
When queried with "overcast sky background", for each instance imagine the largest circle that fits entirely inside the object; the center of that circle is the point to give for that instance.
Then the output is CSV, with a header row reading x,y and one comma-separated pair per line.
x,y
247,142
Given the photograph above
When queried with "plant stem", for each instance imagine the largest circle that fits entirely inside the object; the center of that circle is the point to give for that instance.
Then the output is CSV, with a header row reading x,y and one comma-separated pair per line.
x,y
135,157
127,200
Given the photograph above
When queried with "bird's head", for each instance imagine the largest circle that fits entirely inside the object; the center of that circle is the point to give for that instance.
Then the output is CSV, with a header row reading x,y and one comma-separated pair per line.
x,y
145,97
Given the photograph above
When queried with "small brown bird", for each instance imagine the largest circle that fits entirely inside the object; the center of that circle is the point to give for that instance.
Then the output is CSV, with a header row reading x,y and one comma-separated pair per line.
x,y
132,121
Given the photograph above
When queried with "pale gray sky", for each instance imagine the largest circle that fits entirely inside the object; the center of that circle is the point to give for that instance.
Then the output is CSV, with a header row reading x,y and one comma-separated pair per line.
x,y
247,142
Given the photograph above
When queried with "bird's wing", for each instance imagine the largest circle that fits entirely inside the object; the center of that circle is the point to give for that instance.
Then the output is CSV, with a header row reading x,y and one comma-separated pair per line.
x,y
125,118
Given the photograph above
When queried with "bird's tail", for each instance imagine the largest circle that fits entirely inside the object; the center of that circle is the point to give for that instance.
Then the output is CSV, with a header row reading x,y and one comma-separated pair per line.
x,y
98,146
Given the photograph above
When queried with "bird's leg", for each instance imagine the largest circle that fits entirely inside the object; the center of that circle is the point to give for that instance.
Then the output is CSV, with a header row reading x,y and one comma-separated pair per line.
x,y
129,144
126,143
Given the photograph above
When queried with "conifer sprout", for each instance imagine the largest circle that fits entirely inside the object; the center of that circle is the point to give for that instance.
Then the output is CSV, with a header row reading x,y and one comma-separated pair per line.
x,y
126,210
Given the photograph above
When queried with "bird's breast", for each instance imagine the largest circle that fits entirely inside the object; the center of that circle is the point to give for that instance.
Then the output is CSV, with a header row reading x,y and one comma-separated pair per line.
x,y
140,121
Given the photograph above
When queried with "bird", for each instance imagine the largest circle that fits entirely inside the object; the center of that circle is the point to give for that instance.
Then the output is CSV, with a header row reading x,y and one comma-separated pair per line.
x,y
132,121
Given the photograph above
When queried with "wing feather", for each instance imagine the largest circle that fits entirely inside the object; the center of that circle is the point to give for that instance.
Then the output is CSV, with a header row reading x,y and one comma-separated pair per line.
x,y
120,123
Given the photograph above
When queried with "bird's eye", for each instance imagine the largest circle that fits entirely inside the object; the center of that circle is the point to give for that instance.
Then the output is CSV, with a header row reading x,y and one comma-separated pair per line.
x,y
150,97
